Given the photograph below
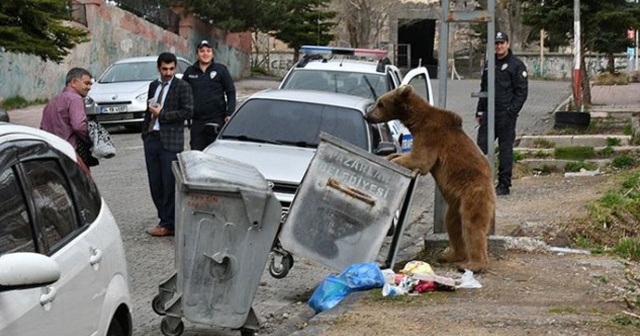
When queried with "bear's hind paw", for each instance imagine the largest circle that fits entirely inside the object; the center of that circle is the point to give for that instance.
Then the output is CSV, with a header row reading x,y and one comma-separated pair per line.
x,y
449,256
475,267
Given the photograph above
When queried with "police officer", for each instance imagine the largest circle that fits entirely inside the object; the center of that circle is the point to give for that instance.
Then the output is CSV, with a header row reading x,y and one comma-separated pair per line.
x,y
214,96
511,90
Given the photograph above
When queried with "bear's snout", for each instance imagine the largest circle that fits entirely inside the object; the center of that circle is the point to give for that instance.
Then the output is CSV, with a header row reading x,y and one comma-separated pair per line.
x,y
371,116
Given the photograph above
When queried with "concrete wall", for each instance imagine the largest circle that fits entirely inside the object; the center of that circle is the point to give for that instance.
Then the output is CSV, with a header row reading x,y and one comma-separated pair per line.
x,y
560,66
117,34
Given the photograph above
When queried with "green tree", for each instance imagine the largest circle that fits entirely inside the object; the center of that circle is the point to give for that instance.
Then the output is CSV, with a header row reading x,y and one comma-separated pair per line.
x,y
37,27
604,26
238,15
306,22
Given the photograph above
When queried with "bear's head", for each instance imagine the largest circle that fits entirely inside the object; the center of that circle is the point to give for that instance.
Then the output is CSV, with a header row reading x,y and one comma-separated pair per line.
x,y
391,105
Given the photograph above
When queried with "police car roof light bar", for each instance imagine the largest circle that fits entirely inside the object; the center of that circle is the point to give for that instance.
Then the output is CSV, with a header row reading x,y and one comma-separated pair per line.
x,y
322,50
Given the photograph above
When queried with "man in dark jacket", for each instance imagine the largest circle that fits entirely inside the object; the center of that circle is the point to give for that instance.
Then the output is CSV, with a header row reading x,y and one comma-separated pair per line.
x,y
511,92
211,83
170,104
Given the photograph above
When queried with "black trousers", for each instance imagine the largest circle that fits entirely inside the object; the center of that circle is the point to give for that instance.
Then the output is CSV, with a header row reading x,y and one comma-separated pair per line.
x,y
203,135
505,133
161,179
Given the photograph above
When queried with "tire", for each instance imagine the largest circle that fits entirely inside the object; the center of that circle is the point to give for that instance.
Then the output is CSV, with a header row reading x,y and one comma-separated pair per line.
x,y
281,271
164,328
158,306
115,329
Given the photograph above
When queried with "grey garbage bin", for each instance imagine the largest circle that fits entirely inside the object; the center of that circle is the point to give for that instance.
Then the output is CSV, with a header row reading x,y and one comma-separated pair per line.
x,y
226,221
345,206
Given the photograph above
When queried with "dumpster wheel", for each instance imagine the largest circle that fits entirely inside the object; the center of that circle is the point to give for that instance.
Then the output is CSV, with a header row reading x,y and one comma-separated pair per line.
x,y
158,306
168,331
280,271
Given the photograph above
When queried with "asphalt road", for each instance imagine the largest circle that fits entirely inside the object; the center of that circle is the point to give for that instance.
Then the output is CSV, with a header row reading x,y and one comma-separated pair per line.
x,y
280,304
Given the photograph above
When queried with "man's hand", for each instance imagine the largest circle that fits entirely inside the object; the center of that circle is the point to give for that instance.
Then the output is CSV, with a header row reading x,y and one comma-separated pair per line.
x,y
155,109
479,116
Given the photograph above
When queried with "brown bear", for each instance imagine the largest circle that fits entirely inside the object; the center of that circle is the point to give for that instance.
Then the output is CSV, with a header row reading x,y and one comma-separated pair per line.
x,y
461,171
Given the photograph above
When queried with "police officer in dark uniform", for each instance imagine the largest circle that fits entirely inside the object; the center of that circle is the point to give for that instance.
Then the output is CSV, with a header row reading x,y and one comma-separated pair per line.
x,y
214,96
511,92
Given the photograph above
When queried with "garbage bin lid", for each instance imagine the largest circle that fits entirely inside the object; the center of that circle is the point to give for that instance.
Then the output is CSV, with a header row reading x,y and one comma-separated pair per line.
x,y
207,170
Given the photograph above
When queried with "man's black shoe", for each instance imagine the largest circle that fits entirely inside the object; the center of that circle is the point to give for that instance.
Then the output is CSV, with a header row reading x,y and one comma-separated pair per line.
x,y
502,190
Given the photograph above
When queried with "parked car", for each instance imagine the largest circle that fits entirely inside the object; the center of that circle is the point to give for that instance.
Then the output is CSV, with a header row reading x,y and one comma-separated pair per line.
x,y
369,76
277,131
119,96
62,263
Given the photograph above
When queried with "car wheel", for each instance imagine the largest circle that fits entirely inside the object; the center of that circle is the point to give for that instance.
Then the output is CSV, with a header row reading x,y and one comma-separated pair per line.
x,y
115,329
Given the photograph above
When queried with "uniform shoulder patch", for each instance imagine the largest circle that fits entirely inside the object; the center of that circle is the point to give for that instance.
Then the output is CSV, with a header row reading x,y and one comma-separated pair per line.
x,y
524,74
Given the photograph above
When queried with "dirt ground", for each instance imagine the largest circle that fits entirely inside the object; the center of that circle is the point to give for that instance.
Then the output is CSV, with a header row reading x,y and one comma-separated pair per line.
x,y
523,293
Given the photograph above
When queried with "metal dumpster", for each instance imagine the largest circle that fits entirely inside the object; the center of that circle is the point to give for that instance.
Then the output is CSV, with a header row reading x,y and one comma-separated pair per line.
x,y
226,221
345,206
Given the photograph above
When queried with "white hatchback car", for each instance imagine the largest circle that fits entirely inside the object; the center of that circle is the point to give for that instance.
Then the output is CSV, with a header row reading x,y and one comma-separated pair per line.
x,y
62,265
119,96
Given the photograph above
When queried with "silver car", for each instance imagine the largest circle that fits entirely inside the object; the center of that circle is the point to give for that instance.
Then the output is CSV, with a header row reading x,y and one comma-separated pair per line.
x,y
277,131
119,96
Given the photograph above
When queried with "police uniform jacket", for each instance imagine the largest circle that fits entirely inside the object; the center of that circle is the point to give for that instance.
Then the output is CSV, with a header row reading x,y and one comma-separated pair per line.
x,y
511,87
209,91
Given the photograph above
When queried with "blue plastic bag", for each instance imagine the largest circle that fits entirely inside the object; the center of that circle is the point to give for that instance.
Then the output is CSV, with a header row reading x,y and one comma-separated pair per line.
x,y
334,289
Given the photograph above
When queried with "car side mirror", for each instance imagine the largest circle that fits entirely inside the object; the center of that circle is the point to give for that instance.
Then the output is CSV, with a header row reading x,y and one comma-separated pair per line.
x,y
24,270
386,148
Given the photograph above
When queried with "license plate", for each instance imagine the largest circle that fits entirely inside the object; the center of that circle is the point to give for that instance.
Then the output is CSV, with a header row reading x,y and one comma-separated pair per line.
x,y
113,109
112,117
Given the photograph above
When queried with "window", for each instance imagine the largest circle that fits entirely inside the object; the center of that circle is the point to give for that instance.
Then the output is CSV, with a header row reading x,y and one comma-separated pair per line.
x,y
296,123
88,197
53,201
16,233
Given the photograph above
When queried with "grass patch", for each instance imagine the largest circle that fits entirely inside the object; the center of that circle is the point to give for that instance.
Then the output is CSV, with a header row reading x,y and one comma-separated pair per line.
x,y
18,102
541,154
613,142
605,152
623,162
576,166
607,78
613,221
518,156
578,153
627,130
626,320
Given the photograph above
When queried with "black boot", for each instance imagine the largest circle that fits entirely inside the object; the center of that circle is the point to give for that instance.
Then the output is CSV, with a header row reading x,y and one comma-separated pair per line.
x,y
502,189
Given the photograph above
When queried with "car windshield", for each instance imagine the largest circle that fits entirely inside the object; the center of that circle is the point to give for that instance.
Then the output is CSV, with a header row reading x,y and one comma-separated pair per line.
x,y
130,72
295,123
364,85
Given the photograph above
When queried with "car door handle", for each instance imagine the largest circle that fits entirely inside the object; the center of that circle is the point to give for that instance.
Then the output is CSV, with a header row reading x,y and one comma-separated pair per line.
x,y
49,296
96,256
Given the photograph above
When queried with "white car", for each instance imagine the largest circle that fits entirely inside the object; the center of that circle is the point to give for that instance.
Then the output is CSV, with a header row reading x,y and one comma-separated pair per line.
x,y
370,75
119,96
62,264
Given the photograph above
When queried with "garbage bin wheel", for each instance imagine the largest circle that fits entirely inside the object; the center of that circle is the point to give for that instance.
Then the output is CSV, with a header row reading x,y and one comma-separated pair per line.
x,y
158,306
247,332
167,331
280,271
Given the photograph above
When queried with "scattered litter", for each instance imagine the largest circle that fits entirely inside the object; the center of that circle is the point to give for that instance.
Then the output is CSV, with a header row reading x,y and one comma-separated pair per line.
x,y
334,288
416,267
567,250
468,281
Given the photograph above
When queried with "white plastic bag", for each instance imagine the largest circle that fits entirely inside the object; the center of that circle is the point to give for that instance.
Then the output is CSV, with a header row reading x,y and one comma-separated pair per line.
x,y
103,147
468,281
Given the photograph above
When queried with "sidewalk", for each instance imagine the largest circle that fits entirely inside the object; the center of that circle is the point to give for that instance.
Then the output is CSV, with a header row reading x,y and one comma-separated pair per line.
x,y
616,98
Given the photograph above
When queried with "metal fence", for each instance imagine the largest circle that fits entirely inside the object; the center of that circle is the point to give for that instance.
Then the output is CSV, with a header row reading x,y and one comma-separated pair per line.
x,y
154,11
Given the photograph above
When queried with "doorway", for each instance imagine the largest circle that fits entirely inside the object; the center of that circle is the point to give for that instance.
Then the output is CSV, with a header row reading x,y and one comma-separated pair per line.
x,y
419,36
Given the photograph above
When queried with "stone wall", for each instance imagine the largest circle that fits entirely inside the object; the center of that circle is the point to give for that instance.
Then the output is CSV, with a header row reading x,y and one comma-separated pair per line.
x,y
116,34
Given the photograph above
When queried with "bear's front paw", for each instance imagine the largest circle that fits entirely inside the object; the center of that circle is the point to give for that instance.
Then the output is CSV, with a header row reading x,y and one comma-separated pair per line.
x,y
390,157
450,256
475,267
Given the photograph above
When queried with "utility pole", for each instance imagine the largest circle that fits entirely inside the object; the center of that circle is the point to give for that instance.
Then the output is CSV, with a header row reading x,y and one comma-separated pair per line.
x,y
577,89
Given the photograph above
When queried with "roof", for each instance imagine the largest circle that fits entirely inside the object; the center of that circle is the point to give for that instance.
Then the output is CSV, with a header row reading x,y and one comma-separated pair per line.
x,y
347,65
9,131
315,97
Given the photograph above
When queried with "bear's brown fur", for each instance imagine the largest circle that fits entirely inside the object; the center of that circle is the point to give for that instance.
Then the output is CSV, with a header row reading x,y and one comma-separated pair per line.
x,y
461,171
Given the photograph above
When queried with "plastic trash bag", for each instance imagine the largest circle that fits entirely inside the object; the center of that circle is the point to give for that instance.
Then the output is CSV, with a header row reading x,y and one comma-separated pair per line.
x,y
334,289
468,281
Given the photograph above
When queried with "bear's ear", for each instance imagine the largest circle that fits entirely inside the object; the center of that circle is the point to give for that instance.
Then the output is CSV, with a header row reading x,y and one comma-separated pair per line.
x,y
405,90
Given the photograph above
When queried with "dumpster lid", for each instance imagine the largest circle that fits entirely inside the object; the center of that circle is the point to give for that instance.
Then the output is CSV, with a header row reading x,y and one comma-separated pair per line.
x,y
204,170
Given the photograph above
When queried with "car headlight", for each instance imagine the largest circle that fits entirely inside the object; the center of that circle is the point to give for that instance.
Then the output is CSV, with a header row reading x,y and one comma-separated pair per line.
x,y
88,101
142,98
